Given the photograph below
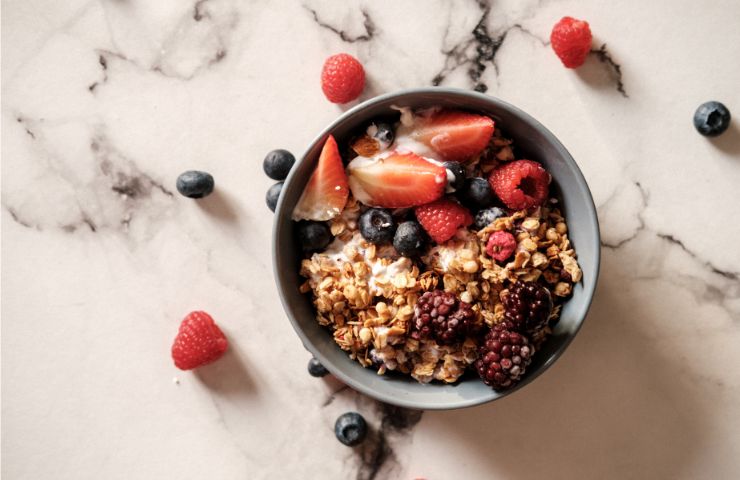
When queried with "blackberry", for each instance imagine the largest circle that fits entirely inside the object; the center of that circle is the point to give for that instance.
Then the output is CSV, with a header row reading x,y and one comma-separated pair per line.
x,y
503,357
442,316
527,306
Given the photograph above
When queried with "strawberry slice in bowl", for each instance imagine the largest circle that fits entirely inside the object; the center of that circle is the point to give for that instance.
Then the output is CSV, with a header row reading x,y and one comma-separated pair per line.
x,y
327,190
399,180
454,134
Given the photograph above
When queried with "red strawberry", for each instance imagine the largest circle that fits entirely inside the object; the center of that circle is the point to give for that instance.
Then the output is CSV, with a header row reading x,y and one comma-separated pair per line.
x,y
442,218
326,191
342,78
520,184
571,40
398,181
454,134
198,342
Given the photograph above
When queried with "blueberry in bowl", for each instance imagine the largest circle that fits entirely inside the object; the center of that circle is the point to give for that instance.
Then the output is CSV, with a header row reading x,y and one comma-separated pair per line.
x,y
428,290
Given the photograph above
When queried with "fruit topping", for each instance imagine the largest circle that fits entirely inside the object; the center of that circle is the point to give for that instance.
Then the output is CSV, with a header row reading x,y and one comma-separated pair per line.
x,y
455,176
409,239
442,316
399,180
476,193
277,164
501,245
503,357
342,78
520,184
199,341
377,225
454,134
442,218
273,195
711,119
486,217
327,190
313,235
571,41
194,184
527,306
350,429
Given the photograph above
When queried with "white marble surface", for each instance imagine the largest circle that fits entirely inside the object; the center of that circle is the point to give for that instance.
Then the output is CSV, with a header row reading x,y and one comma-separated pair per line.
x,y
105,102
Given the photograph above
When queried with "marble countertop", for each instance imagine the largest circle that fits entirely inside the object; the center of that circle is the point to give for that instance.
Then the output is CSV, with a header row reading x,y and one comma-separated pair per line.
x,y
105,102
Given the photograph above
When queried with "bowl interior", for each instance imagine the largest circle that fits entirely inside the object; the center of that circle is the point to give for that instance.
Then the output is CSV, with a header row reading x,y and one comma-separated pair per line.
x,y
534,142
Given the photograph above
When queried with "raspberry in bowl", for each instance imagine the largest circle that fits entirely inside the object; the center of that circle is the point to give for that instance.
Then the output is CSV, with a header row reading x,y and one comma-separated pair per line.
x,y
458,254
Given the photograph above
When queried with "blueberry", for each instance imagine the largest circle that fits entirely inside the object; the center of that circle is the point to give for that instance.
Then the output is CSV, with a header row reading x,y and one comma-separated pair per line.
x,y
194,184
486,217
377,225
350,429
476,193
409,239
277,164
458,175
383,132
316,369
273,194
313,235
711,119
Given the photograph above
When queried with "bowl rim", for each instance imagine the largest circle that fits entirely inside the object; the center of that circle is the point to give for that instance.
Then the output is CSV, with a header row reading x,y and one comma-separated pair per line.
x,y
591,212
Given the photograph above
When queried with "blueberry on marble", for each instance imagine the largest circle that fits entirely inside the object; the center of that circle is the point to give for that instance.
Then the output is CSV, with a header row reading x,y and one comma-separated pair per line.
x,y
316,369
476,193
313,235
455,175
273,194
195,184
277,164
711,119
350,429
409,239
486,217
377,225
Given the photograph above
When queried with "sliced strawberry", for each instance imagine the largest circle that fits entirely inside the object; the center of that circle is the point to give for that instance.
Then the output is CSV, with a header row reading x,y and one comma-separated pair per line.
x,y
454,134
398,181
327,191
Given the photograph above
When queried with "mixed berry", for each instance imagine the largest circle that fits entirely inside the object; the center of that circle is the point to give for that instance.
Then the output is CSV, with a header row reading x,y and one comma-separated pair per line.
x,y
432,250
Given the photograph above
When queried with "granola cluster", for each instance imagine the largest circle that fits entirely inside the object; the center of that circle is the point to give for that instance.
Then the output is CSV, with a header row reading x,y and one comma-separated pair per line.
x,y
365,293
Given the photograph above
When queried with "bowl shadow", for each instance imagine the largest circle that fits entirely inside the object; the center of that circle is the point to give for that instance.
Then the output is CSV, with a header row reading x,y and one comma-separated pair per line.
x,y
612,407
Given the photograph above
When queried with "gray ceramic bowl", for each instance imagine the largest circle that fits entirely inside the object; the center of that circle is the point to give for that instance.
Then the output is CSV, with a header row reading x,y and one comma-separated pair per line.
x,y
535,142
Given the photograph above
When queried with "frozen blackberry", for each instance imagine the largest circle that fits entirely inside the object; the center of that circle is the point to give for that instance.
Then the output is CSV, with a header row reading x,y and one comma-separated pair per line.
x,y
440,315
527,306
503,357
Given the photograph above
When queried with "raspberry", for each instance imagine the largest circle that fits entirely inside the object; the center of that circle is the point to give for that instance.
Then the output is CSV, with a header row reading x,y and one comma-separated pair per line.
x,y
521,184
442,316
500,245
342,78
442,218
503,357
571,40
527,306
198,342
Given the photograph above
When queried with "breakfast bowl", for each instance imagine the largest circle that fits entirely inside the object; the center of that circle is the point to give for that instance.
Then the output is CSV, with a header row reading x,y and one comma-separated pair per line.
x,y
533,142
